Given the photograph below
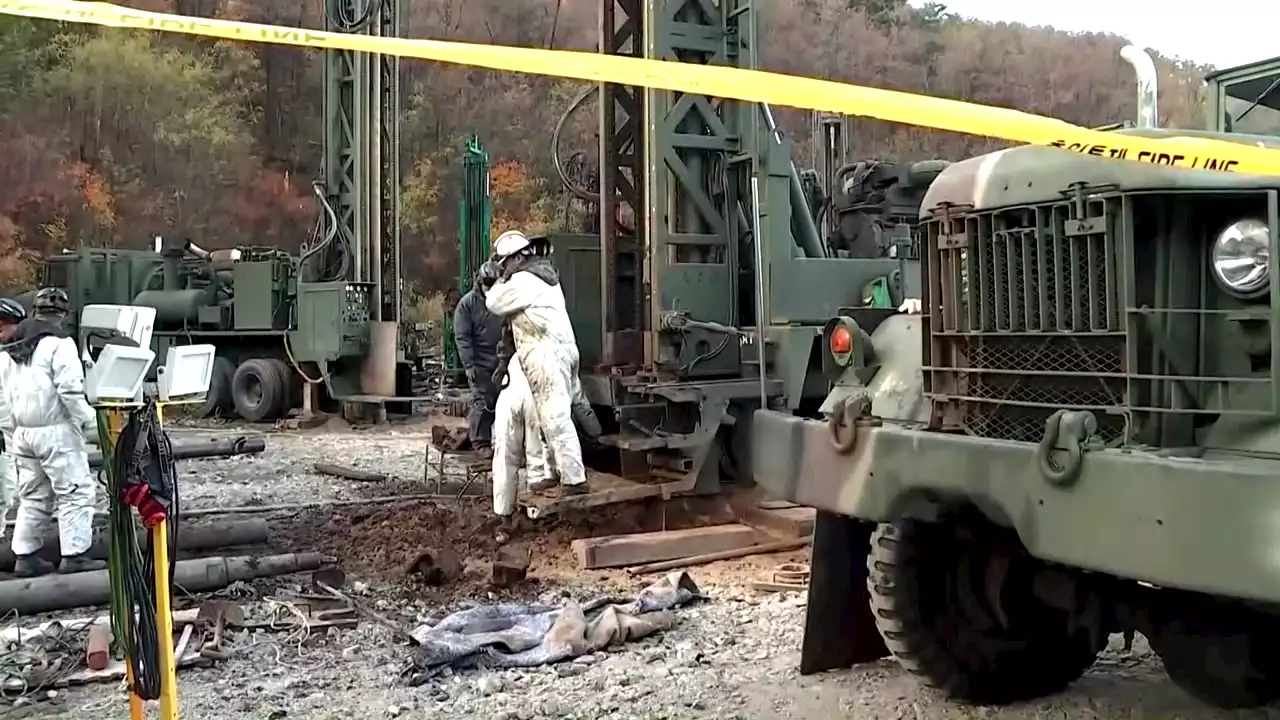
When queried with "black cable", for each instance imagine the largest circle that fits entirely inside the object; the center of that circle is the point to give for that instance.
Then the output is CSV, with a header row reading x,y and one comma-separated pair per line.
x,y
144,456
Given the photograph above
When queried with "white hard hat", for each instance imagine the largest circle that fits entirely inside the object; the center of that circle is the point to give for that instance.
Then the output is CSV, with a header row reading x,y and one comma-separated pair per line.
x,y
509,243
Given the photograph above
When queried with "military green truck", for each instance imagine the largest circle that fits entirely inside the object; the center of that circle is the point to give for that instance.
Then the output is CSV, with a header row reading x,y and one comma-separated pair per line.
x,y
1078,436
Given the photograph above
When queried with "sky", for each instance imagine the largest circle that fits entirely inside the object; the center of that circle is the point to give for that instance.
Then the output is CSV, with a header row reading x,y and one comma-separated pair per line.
x,y
1241,32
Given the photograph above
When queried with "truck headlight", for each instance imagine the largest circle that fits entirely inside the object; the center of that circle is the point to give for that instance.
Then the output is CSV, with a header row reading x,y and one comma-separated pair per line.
x,y
1242,257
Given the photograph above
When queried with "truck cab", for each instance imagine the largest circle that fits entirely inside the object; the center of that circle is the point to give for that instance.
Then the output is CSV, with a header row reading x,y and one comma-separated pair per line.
x,y
1077,436
1244,100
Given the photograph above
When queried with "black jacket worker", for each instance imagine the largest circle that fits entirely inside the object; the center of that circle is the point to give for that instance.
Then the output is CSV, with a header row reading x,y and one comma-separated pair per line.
x,y
476,332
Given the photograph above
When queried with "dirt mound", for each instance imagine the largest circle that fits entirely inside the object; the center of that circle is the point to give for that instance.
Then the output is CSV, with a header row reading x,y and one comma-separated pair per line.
x,y
381,542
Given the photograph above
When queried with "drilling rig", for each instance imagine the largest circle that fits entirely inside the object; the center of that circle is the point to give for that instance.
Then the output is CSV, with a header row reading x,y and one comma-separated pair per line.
x,y
313,330
705,292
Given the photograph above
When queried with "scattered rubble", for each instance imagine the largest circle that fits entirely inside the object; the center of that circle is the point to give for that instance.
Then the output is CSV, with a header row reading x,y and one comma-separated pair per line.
x,y
302,652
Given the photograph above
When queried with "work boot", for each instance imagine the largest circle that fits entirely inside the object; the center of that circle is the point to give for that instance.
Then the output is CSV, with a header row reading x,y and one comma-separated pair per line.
x,y
79,563
508,528
29,566
572,490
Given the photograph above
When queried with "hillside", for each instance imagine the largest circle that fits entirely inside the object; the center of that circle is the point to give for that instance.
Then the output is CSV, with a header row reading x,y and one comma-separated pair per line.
x,y
111,137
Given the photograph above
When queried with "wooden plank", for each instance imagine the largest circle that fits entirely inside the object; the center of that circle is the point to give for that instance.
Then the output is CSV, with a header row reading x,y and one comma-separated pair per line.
x,y
793,522
640,548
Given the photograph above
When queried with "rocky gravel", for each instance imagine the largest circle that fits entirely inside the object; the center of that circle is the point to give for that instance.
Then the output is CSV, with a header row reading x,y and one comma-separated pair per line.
x,y
733,656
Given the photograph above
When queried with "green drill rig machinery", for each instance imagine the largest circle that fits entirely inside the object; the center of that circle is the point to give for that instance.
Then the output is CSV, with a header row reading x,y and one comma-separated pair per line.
x,y
703,295
1077,437
292,331
475,218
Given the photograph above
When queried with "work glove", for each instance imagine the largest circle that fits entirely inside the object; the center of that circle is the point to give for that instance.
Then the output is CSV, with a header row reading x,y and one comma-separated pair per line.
x,y
510,269
500,376
910,306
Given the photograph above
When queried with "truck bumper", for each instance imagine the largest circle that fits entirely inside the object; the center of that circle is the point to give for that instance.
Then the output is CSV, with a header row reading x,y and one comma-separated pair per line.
x,y
1196,524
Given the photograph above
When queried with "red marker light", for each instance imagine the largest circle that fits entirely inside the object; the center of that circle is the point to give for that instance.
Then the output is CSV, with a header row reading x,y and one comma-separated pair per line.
x,y
841,341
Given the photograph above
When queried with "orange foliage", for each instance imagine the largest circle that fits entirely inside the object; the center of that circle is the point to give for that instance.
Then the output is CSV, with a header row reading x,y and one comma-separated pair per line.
x,y
518,199
49,200
267,208
508,178
98,200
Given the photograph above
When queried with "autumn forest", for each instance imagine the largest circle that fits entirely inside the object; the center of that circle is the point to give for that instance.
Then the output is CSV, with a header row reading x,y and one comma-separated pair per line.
x,y
112,137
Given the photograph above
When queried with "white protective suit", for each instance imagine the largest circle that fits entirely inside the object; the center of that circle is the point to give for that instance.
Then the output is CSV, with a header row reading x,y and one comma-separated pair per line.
x,y
8,469
548,354
517,441
48,418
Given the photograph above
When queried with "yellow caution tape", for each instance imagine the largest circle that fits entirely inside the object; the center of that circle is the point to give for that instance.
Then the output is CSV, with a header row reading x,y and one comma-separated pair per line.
x,y
711,80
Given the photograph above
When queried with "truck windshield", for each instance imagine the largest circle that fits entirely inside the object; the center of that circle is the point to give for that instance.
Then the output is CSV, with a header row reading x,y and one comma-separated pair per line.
x,y
1253,106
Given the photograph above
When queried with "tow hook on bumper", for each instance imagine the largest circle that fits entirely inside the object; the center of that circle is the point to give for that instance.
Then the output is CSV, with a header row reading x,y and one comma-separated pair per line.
x,y
845,421
1066,432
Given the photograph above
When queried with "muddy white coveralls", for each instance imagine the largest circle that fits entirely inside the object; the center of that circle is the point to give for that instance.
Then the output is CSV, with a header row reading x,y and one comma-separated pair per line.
x,y
548,354
8,468
518,441
48,418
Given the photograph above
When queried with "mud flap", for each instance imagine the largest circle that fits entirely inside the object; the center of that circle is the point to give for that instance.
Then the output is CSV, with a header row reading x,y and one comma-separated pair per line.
x,y
839,627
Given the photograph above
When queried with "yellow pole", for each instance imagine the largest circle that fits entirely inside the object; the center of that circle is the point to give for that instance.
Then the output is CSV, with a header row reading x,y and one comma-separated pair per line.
x,y
164,614
164,624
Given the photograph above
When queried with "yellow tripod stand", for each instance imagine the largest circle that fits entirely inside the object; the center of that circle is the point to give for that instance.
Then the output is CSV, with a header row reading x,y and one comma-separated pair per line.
x,y
112,419
114,384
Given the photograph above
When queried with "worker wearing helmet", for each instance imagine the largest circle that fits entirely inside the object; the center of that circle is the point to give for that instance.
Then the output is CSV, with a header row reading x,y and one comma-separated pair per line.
x,y
42,381
11,314
530,298
476,332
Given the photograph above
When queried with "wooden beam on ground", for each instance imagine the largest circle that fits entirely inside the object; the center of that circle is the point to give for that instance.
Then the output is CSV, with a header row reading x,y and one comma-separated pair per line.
x,y
785,523
640,548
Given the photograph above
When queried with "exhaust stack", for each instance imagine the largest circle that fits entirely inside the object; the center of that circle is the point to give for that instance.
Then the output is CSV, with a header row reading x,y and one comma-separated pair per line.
x,y
1145,69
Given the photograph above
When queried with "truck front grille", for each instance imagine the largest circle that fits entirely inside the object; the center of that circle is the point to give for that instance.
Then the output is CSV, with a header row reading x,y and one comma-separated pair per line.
x,y
1024,317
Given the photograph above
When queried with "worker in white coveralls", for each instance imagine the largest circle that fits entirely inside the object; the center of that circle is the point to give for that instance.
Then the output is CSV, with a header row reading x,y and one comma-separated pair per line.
x,y
529,297
516,421
43,384
11,314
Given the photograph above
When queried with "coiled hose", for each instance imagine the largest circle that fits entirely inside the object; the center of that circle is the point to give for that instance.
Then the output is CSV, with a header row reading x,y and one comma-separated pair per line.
x,y
142,455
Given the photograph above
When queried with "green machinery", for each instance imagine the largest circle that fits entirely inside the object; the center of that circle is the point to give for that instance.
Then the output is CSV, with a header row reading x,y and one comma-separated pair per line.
x,y
704,293
1078,436
293,331
475,218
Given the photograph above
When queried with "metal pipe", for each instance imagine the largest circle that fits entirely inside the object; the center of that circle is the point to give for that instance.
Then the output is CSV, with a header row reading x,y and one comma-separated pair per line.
x,y
192,538
1145,69
63,592
802,225
195,250
374,192
191,449
761,312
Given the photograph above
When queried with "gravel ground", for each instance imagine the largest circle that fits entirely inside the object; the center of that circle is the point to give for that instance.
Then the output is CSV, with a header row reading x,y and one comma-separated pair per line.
x,y
731,657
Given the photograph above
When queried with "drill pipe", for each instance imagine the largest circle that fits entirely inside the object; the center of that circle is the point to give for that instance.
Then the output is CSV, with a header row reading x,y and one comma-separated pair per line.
x,y
205,536
63,592
242,445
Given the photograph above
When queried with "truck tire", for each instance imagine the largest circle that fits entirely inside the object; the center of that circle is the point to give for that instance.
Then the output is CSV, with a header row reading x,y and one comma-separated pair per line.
x,y
218,400
257,390
1222,656
930,612
292,393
